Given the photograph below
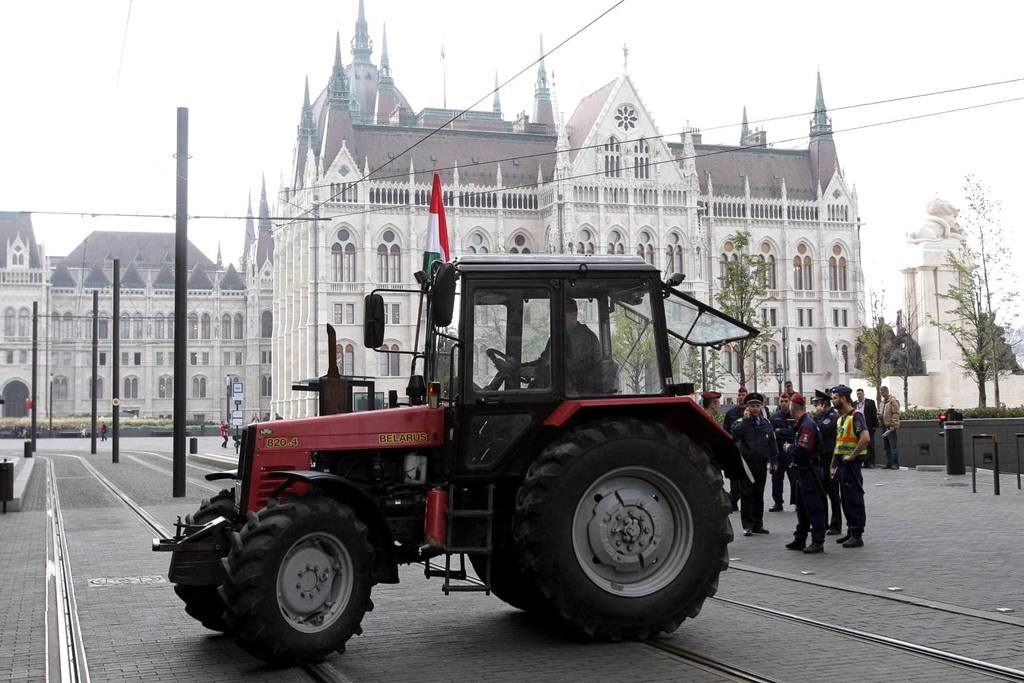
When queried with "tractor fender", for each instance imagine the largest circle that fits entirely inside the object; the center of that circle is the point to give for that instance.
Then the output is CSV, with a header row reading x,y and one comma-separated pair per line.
x,y
227,474
385,566
681,413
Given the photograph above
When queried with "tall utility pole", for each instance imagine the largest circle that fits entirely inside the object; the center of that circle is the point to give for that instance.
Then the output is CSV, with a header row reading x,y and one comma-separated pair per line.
x,y
35,368
180,302
95,365
116,370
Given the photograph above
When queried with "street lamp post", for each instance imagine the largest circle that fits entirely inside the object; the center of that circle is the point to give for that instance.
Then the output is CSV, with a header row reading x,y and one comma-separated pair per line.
x,y
906,371
778,377
800,363
49,405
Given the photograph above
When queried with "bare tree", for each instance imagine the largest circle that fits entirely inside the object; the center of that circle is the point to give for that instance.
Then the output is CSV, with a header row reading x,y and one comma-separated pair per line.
x,y
875,345
743,290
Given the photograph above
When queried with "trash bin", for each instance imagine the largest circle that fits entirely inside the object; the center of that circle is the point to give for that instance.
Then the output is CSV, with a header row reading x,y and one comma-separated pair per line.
x,y
28,449
6,482
953,429
193,445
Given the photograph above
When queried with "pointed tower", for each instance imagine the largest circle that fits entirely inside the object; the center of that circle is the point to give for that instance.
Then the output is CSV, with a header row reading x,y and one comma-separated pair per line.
x,y
542,112
384,73
822,148
305,139
362,46
496,106
388,98
338,122
250,235
220,262
265,238
744,128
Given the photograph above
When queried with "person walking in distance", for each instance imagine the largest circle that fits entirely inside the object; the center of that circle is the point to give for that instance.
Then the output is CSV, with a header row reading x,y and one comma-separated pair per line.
x,y
808,479
782,423
870,411
734,413
852,438
103,431
756,440
224,433
890,425
825,416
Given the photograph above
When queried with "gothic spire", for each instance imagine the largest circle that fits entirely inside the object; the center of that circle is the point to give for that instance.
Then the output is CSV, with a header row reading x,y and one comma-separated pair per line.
x,y
821,123
496,107
541,90
220,262
362,47
385,63
744,128
265,240
250,230
337,87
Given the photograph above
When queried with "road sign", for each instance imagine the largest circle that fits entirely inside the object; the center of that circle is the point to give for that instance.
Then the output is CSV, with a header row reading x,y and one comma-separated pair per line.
x,y
236,414
238,403
236,388
236,422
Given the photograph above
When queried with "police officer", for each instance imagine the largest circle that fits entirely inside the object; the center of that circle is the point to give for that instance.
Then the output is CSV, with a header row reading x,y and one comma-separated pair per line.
x,y
808,479
783,423
825,416
756,439
852,437
734,413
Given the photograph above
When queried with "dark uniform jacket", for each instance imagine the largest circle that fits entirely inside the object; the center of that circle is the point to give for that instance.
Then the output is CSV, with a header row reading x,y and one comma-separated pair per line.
x,y
783,423
827,426
734,413
806,447
756,439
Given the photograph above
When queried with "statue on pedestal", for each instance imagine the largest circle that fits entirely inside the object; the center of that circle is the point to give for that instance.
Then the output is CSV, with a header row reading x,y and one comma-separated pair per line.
x,y
939,223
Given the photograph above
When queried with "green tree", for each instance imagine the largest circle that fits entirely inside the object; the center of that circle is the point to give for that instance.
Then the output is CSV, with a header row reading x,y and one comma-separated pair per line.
x,y
687,366
743,289
633,348
875,345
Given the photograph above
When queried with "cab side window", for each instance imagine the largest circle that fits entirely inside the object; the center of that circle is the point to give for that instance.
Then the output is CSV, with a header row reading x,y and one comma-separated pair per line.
x,y
511,329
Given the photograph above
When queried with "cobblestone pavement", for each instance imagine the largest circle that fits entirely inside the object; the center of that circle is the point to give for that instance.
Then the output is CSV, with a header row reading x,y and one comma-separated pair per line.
x,y
937,541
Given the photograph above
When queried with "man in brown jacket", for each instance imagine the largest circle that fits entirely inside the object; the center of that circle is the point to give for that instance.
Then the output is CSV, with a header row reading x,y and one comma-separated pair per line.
x,y
890,425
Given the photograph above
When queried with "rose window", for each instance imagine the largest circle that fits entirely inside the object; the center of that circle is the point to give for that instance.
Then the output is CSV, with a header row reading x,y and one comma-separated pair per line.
x,y
625,117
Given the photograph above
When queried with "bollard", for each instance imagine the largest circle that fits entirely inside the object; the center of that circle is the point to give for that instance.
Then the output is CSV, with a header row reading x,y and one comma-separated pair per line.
x,y
28,449
995,462
193,445
6,482
1020,437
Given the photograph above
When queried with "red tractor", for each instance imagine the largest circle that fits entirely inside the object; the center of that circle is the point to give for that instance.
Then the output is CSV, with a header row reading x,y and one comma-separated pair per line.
x,y
545,438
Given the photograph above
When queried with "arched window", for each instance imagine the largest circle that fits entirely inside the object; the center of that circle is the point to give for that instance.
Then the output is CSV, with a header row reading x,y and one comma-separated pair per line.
x,y
615,243
126,326
193,326
798,274
69,327
477,244
843,280
805,357
225,326
60,388
266,324
389,258
772,271
612,158
239,326
343,257
729,359
645,247
99,387
674,254
158,326
520,245
808,280
199,387
585,241
131,387
165,387
265,386
54,325
347,359
844,355
10,317
389,364
23,322
137,326
642,160
205,326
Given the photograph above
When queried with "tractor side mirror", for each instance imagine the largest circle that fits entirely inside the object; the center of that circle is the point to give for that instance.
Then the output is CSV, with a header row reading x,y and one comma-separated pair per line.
x,y
444,294
373,321
675,280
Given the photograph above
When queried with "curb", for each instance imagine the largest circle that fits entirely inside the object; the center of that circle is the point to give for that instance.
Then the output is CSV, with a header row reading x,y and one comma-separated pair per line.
x,y
22,473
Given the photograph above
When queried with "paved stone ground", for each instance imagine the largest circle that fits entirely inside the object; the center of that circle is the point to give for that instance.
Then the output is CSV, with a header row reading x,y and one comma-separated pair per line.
x,y
938,541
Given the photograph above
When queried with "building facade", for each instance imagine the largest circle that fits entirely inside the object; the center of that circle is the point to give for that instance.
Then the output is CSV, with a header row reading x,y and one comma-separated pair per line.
x,y
229,325
604,181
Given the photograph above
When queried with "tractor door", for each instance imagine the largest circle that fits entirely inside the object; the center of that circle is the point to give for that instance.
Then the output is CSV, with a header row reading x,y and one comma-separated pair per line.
x,y
512,335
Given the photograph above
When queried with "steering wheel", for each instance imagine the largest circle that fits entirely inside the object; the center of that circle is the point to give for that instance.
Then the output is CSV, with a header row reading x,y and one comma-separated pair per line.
x,y
507,369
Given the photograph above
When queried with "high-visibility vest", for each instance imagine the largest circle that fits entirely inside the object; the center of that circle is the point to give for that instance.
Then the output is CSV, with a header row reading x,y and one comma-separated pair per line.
x,y
846,440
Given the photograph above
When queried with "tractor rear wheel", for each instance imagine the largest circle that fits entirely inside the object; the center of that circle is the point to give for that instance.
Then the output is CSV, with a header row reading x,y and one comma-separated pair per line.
x,y
298,580
624,525
203,603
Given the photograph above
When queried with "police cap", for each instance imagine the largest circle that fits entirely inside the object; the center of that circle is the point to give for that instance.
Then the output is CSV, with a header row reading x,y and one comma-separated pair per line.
x,y
754,397
842,390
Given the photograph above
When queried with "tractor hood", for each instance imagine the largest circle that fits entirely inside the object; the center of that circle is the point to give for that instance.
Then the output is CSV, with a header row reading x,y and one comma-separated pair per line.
x,y
405,427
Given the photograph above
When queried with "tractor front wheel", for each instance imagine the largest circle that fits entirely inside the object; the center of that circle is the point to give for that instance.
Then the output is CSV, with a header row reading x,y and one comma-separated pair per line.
x,y
298,580
203,603
624,525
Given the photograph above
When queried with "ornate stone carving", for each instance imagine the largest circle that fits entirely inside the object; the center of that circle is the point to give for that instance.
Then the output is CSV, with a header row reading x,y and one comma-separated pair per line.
x,y
939,223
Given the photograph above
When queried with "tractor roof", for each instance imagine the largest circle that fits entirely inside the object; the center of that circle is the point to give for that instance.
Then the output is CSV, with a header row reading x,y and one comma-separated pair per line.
x,y
553,262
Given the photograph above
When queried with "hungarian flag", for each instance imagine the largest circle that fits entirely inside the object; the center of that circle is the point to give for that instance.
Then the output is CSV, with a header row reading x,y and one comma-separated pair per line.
x,y
435,247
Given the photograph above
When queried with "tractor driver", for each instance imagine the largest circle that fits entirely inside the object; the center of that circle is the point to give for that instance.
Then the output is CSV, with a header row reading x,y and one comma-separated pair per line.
x,y
582,357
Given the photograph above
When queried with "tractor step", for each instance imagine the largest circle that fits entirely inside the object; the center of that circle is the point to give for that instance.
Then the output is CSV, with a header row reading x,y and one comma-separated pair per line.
x,y
449,573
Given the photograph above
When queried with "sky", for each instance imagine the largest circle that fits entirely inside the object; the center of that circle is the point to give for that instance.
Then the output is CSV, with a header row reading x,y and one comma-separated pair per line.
x,y
87,122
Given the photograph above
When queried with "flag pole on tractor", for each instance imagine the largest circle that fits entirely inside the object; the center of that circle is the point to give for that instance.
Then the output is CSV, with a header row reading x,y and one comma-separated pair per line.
x,y
435,246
